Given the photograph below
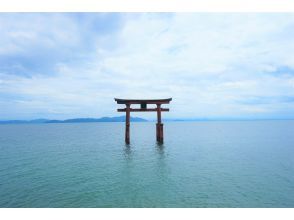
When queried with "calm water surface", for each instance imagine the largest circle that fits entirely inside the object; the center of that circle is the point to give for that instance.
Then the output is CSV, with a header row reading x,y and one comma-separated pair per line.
x,y
201,164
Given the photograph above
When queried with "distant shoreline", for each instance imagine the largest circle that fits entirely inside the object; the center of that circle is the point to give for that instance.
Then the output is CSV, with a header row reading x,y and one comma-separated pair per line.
x,y
122,119
73,120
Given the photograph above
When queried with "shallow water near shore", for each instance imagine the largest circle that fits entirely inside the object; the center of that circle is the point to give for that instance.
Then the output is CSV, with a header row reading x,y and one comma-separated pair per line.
x,y
200,164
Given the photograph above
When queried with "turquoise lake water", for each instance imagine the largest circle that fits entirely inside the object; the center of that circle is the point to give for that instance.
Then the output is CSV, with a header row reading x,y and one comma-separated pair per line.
x,y
201,164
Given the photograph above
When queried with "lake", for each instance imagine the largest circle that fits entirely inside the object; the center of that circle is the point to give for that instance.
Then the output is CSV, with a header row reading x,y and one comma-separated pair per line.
x,y
200,164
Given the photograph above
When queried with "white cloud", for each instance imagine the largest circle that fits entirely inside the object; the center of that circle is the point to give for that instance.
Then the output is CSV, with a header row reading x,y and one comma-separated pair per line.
x,y
208,63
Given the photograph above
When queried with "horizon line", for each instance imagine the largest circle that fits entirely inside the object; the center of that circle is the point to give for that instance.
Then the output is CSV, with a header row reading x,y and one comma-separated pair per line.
x,y
147,120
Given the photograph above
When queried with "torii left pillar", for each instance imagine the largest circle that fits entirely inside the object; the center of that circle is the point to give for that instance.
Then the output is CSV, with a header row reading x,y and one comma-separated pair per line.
x,y
127,133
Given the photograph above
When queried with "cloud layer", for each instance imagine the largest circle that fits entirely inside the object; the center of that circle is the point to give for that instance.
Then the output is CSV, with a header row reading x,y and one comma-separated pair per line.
x,y
63,65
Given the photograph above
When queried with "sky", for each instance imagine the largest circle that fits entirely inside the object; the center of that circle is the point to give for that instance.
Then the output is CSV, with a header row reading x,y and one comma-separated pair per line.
x,y
213,65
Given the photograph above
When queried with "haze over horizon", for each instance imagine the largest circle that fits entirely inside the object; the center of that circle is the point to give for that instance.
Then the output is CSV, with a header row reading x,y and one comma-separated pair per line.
x,y
213,65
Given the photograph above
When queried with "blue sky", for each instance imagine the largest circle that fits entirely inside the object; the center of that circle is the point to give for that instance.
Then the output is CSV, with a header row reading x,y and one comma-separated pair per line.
x,y
213,65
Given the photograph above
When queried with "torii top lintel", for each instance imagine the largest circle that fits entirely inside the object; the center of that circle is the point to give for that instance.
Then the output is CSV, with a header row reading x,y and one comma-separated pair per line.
x,y
142,101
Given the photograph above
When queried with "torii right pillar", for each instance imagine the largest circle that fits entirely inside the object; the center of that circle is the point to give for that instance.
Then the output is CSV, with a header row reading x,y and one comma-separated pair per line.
x,y
159,125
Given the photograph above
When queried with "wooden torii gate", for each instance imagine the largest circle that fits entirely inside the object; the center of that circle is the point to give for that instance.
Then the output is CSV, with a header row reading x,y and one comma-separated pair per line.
x,y
143,103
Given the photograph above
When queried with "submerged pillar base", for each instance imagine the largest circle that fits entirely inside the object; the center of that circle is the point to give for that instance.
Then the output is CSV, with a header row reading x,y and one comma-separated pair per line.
x,y
127,134
159,132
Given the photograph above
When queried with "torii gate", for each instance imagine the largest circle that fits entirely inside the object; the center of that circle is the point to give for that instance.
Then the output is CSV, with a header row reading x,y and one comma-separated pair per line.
x,y
143,103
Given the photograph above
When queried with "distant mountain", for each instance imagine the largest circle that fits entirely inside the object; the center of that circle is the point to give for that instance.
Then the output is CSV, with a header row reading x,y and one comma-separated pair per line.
x,y
35,121
103,119
41,120
14,122
74,120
